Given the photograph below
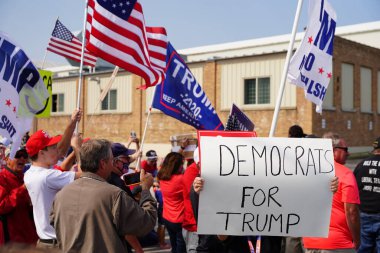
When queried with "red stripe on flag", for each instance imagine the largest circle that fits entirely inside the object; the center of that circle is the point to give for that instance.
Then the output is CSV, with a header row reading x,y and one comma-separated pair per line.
x,y
65,49
72,58
156,42
157,56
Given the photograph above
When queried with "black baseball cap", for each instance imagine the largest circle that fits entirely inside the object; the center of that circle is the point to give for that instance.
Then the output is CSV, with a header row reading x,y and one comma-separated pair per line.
x,y
119,149
376,143
151,155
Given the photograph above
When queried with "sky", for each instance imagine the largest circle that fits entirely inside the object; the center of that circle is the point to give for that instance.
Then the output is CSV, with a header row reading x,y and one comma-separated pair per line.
x,y
188,23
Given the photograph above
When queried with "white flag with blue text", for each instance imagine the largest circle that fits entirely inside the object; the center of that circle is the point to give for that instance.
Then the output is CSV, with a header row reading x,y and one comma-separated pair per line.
x,y
22,92
311,65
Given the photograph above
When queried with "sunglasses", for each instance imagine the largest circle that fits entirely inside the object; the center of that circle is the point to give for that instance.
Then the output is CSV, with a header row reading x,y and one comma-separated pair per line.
x,y
343,148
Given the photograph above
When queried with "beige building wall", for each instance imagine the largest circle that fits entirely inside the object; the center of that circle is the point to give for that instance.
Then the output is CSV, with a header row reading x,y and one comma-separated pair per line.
x,y
235,71
122,83
67,87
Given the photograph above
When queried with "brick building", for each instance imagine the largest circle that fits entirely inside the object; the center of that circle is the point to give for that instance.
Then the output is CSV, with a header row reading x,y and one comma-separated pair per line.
x,y
246,73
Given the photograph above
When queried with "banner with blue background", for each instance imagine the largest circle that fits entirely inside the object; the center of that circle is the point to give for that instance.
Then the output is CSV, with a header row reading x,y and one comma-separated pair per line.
x,y
182,97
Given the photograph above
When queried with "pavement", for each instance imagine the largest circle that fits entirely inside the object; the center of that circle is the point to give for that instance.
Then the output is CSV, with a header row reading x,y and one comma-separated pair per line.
x,y
156,250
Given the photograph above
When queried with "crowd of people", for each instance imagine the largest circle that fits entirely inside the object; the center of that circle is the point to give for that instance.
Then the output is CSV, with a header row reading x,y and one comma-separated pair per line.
x,y
68,194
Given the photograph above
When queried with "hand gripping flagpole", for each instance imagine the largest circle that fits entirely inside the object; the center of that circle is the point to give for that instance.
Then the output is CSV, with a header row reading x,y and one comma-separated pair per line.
x,y
81,61
285,70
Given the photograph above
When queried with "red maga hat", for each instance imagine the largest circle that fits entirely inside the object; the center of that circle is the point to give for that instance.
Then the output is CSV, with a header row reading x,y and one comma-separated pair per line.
x,y
40,140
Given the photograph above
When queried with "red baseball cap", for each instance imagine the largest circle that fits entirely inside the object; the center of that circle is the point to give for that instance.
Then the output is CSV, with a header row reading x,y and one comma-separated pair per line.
x,y
40,140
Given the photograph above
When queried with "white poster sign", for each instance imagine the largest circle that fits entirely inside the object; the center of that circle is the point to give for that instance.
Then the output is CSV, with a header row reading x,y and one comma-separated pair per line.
x,y
265,186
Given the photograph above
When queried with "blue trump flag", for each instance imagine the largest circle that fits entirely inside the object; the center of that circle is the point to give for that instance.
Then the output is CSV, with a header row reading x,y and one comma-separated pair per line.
x,y
181,97
22,92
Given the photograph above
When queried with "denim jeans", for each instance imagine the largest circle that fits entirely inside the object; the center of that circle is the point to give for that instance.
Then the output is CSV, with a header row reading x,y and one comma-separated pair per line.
x,y
369,232
175,235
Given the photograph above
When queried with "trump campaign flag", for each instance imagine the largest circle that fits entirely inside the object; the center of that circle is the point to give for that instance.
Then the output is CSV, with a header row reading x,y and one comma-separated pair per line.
x,y
116,32
181,96
22,92
238,121
64,43
311,65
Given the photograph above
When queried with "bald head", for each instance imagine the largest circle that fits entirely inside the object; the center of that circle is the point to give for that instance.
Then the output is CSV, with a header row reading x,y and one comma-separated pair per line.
x,y
340,147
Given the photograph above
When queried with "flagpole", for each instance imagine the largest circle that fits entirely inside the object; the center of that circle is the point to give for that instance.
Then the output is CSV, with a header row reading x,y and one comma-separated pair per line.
x,y
145,128
81,61
104,93
285,70
43,61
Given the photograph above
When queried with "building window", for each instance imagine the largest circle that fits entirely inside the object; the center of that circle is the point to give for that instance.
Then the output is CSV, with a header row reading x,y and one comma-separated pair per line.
x,y
57,104
365,89
257,91
328,101
347,85
110,101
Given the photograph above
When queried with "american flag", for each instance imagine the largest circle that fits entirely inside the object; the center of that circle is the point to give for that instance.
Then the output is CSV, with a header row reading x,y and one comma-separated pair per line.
x,y
116,32
64,43
157,46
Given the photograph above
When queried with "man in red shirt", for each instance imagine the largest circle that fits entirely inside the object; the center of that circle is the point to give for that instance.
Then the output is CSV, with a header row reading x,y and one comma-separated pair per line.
x,y
150,164
15,206
344,230
189,224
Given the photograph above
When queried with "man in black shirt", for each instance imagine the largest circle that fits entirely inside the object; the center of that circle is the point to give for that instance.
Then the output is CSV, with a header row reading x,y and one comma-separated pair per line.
x,y
367,174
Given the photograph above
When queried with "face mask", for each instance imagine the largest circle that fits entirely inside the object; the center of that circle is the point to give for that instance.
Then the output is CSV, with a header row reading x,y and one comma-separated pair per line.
x,y
125,167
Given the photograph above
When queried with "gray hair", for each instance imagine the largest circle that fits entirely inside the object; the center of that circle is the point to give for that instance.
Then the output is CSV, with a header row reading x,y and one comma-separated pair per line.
x,y
92,152
334,137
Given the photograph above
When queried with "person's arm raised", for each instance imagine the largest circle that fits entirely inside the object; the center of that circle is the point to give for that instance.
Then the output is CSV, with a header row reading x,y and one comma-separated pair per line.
x,y
64,144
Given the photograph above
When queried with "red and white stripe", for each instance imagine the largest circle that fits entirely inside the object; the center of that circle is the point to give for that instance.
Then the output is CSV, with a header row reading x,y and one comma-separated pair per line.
x,y
71,50
157,46
123,43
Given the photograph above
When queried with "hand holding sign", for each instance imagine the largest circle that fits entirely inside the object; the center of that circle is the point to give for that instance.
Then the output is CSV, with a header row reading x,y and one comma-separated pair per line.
x,y
334,184
198,184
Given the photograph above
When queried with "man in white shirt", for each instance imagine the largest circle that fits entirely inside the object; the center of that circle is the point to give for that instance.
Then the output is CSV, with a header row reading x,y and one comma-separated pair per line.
x,y
42,181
